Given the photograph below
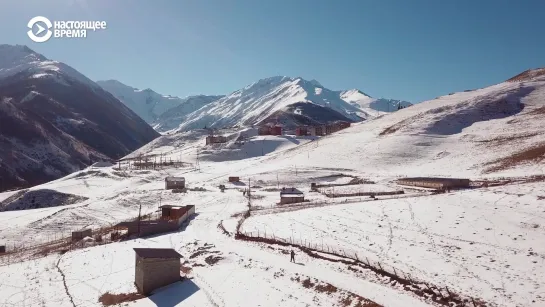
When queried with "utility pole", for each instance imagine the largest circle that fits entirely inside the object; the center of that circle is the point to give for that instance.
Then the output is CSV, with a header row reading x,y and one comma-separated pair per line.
x,y
249,193
139,217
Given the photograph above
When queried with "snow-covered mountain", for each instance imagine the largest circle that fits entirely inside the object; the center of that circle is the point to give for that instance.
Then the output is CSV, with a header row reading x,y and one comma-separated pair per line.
x,y
54,120
257,102
172,118
253,104
372,107
150,106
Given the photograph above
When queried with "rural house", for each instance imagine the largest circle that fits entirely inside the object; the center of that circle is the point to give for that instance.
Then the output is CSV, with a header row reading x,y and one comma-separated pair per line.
x,y
171,219
174,183
79,235
435,183
215,139
234,179
156,268
317,130
291,195
301,131
270,130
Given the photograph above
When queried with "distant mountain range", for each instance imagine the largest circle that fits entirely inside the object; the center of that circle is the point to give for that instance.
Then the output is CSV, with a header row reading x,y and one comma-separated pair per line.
x,y
54,120
291,101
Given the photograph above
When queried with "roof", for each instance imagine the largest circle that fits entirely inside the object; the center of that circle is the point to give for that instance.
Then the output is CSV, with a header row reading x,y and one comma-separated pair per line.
x,y
171,206
432,179
290,191
175,178
157,253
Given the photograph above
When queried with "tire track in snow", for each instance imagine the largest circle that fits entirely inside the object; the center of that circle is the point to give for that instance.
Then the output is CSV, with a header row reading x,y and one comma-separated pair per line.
x,y
64,281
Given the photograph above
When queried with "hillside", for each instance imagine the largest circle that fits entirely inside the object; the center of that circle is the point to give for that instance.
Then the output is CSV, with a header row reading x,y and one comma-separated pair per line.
x,y
498,129
284,98
54,120
419,248
152,107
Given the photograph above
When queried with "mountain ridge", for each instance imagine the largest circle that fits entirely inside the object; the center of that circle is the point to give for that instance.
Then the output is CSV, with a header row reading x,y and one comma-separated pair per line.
x,y
54,120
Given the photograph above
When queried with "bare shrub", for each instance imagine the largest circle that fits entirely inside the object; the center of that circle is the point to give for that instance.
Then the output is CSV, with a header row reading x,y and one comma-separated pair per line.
x,y
108,299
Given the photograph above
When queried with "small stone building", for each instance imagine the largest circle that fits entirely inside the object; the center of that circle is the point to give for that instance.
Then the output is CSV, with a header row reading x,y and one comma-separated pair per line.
x,y
156,268
435,183
317,130
215,139
276,130
291,195
79,235
174,183
301,131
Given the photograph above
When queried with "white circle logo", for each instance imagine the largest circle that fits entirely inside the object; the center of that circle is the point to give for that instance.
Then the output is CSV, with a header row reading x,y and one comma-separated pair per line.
x,y
36,21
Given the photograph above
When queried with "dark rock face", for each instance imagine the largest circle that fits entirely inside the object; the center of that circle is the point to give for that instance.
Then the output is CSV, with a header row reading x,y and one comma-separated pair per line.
x,y
53,125
304,113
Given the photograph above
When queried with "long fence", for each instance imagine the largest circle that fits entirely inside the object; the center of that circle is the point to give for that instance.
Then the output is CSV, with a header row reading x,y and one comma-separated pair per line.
x,y
319,250
440,295
99,236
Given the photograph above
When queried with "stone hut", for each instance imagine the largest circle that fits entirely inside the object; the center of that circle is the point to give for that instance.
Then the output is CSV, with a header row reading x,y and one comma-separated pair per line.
x,y
156,268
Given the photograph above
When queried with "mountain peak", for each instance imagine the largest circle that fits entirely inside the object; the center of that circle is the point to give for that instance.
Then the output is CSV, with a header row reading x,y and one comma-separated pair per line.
x,y
15,55
315,83
529,75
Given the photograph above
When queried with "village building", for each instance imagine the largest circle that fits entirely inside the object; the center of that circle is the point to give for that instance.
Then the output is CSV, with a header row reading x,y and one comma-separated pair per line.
x,y
276,130
264,130
171,219
211,139
79,235
316,130
174,183
344,125
301,131
270,130
435,183
291,195
156,268
234,179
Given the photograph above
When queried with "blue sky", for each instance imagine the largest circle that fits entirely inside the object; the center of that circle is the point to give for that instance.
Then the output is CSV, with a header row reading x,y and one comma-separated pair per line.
x,y
406,49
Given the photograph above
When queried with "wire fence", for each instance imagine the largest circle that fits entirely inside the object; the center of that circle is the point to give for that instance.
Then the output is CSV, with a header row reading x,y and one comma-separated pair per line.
x,y
439,294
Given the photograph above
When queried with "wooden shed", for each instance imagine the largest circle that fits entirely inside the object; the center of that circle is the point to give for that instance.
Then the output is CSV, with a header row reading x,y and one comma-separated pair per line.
x,y
276,130
156,268
79,235
291,195
301,131
435,183
174,183
215,139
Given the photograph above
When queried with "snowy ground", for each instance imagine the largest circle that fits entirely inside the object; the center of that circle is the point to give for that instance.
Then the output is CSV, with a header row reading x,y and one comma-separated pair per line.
x,y
485,242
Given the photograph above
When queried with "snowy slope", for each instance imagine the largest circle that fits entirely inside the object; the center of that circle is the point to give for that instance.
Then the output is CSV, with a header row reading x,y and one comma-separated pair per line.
x,y
150,106
498,129
372,107
16,59
172,118
258,101
484,243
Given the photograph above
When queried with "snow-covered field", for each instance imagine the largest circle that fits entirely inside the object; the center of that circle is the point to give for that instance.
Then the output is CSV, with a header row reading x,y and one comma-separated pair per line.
x,y
486,243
